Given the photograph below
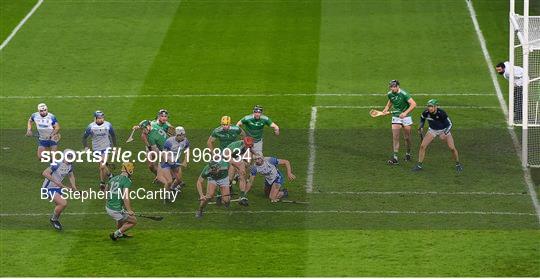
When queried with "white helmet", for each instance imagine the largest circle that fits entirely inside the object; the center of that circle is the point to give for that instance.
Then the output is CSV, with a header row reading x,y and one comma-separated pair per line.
x,y
180,130
42,106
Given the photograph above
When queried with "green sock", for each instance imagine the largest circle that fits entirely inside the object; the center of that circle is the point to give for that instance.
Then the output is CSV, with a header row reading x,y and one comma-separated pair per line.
x,y
243,194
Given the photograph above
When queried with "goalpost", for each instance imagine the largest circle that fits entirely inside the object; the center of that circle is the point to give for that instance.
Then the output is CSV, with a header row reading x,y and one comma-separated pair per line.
x,y
524,101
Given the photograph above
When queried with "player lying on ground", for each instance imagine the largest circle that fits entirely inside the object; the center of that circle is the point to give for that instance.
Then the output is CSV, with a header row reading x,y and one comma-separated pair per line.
x,y
54,175
273,177
47,129
156,134
170,171
118,204
240,154
217,174
439,126
402,105
103,137
254,124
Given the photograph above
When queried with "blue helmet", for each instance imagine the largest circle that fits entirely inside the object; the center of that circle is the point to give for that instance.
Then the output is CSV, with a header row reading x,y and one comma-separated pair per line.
x,y
98,113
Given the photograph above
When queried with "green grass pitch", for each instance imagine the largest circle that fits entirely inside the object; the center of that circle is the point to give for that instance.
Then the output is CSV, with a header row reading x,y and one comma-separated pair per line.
x,y
204,59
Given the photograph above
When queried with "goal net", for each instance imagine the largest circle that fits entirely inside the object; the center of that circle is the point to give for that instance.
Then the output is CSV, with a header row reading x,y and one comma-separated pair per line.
x,y
524,91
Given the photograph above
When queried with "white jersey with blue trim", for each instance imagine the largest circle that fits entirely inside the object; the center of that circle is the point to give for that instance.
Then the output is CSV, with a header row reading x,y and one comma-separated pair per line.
x,y
268,169
171,144
101,135
58,171
44,124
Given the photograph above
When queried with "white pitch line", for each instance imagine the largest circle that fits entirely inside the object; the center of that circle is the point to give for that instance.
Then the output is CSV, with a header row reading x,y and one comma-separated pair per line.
x,y
374,106
526,172
18,27
312,150
423,193
212,95
382,212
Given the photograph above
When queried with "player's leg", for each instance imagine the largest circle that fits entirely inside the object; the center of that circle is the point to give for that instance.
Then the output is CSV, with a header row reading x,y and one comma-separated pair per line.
x,y
428,138
104,173
407,128
60,205
225,192
152,162
455,155
124,222
210,192
240,169
176,174
258,147
164,176
276,193
396,130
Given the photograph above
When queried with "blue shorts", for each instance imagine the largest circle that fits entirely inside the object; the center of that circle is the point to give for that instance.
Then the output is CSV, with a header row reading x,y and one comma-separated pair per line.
x,y
279,180
52,191
47,143
170,165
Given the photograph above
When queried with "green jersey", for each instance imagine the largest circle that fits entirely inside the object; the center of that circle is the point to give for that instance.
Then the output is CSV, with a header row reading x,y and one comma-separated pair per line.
x,y
158,135
117,185
239,144
400,102
165,126
254,127
226,137
221,174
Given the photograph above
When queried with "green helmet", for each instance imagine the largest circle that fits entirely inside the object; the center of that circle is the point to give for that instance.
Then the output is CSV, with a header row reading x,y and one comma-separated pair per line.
x,y
214,165
144,123
432,103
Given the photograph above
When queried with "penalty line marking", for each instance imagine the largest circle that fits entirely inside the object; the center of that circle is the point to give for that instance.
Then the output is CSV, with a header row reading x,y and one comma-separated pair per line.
x,y
381,212
211,95
18,27
526,172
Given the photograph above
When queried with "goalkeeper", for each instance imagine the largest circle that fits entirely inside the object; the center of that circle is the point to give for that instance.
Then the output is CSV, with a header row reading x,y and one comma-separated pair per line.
x,y
439,126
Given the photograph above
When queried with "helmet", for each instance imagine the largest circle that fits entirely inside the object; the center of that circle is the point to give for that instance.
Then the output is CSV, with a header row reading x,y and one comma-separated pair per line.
x,y
214,165
432,103
162,112
128,167
98,113
42,106
257,156
258,108
144,123
225,120
179,130
393,83
248,141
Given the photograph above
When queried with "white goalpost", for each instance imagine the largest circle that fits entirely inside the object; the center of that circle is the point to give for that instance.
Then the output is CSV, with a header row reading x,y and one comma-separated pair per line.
x,y
524,92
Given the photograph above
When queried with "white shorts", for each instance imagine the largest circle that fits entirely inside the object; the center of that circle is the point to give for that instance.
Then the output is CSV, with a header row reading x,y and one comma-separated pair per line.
x,y
224,182
437,133
258,147
119,216
407,121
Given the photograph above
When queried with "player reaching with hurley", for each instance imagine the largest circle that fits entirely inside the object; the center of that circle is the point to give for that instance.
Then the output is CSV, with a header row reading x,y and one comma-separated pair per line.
x,y
238,154
170,172
439,126
47,128
254,124
273,177
103,137
118,204
54,175
217,174
402,105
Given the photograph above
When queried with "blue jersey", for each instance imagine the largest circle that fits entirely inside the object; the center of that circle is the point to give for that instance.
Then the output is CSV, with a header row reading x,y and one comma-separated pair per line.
x,y
102,135
268,169
44,124
58,171
436,121
177,147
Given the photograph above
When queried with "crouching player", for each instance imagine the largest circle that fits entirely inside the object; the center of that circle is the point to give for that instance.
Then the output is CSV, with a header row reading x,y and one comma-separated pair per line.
x,y
118,204
217,174
170,171
240,155
439,126
273,177
54,175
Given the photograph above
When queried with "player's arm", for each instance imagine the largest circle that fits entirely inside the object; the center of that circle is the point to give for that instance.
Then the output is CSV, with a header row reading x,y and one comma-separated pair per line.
x,y
85,136
242,133
127,202
288,167
275,127
422,122
144,138
56,127
200,181
73,186
445,118
47,173
210,142
29,126
412,105
387,107
112,134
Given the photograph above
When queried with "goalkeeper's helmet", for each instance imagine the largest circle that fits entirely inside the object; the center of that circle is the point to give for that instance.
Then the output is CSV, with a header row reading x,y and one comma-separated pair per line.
x,y
432,103
128,167
248,142
258,108
144,123
226,120
393,83
98,113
